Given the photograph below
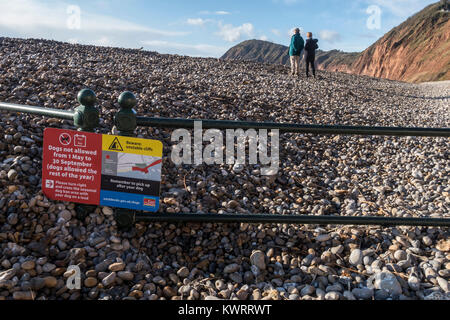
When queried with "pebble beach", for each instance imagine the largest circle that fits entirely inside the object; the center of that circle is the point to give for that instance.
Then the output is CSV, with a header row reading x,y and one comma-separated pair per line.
x,y
319,175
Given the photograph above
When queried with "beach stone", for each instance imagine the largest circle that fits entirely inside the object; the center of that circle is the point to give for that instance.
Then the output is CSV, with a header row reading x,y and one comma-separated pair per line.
x,y
12,174
258,259
50,282
118,266
381,295
169,292
242,294
107,211
336,287
238,168
400,255
307,290
388,282
356,257
28,265
332,296
236,277
24,295
159,280
90,282
13,219
183,272
37,283
136,294
6,264
323,237
363,293
233,204
126,275
337,250
349,295
66,215
427,241
48,267
109,279
443,284
220,285
231,268
414,283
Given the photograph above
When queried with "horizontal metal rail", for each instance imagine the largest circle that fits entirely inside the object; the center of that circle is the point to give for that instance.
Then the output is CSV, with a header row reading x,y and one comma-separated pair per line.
x,y
49,112
293,219
293,127
227,124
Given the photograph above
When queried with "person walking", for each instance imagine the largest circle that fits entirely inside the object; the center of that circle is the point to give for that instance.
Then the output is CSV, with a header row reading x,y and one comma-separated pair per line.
x,y
310,54
295,51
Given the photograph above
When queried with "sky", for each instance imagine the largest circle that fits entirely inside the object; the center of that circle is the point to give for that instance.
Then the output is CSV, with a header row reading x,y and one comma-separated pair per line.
x,y
204,28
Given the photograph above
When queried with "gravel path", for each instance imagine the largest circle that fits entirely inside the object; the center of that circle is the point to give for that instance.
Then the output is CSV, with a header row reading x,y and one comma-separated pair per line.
x,y
321,175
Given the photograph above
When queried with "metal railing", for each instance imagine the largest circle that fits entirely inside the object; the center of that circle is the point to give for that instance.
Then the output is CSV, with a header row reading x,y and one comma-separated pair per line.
x,y
86,118
54,113
228,124
294,127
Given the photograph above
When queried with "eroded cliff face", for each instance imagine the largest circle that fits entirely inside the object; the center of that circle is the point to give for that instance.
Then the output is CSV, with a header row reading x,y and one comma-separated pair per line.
x,y
418,50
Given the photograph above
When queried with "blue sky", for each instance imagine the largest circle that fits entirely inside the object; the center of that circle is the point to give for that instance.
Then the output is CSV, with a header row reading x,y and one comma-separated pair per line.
x,y
201,27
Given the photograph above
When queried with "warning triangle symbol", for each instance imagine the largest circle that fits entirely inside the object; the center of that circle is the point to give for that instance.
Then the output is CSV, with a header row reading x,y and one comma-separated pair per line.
x,y
115,145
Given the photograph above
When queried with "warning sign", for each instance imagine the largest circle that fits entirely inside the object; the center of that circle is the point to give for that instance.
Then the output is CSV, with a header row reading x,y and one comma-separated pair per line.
x,y
115,145
105,170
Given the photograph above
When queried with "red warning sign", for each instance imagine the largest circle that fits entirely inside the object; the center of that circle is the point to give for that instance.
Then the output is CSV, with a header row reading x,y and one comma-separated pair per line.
x,y
71,168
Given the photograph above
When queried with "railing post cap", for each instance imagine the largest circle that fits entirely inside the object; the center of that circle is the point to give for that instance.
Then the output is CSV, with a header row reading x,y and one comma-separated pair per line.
x,y
87,97
127,100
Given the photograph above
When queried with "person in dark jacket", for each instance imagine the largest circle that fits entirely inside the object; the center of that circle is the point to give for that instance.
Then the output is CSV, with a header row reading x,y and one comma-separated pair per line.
x,y
295,51
310,54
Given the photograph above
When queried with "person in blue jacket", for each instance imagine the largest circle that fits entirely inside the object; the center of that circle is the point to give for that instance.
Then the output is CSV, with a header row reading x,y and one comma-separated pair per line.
x,y
295,51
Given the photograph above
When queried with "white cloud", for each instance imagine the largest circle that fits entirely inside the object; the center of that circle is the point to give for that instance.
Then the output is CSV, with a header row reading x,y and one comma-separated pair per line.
x,y
31,14
202,50
330,36
196,22
49,20
231,34
222,13
264,38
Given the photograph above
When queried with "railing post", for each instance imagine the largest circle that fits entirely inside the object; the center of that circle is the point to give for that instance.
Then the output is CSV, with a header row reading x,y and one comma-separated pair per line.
x,y
125,121
86,118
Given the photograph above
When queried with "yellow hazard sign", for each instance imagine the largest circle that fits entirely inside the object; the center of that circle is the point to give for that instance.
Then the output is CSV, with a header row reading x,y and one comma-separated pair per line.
x,y
115,146
132,145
